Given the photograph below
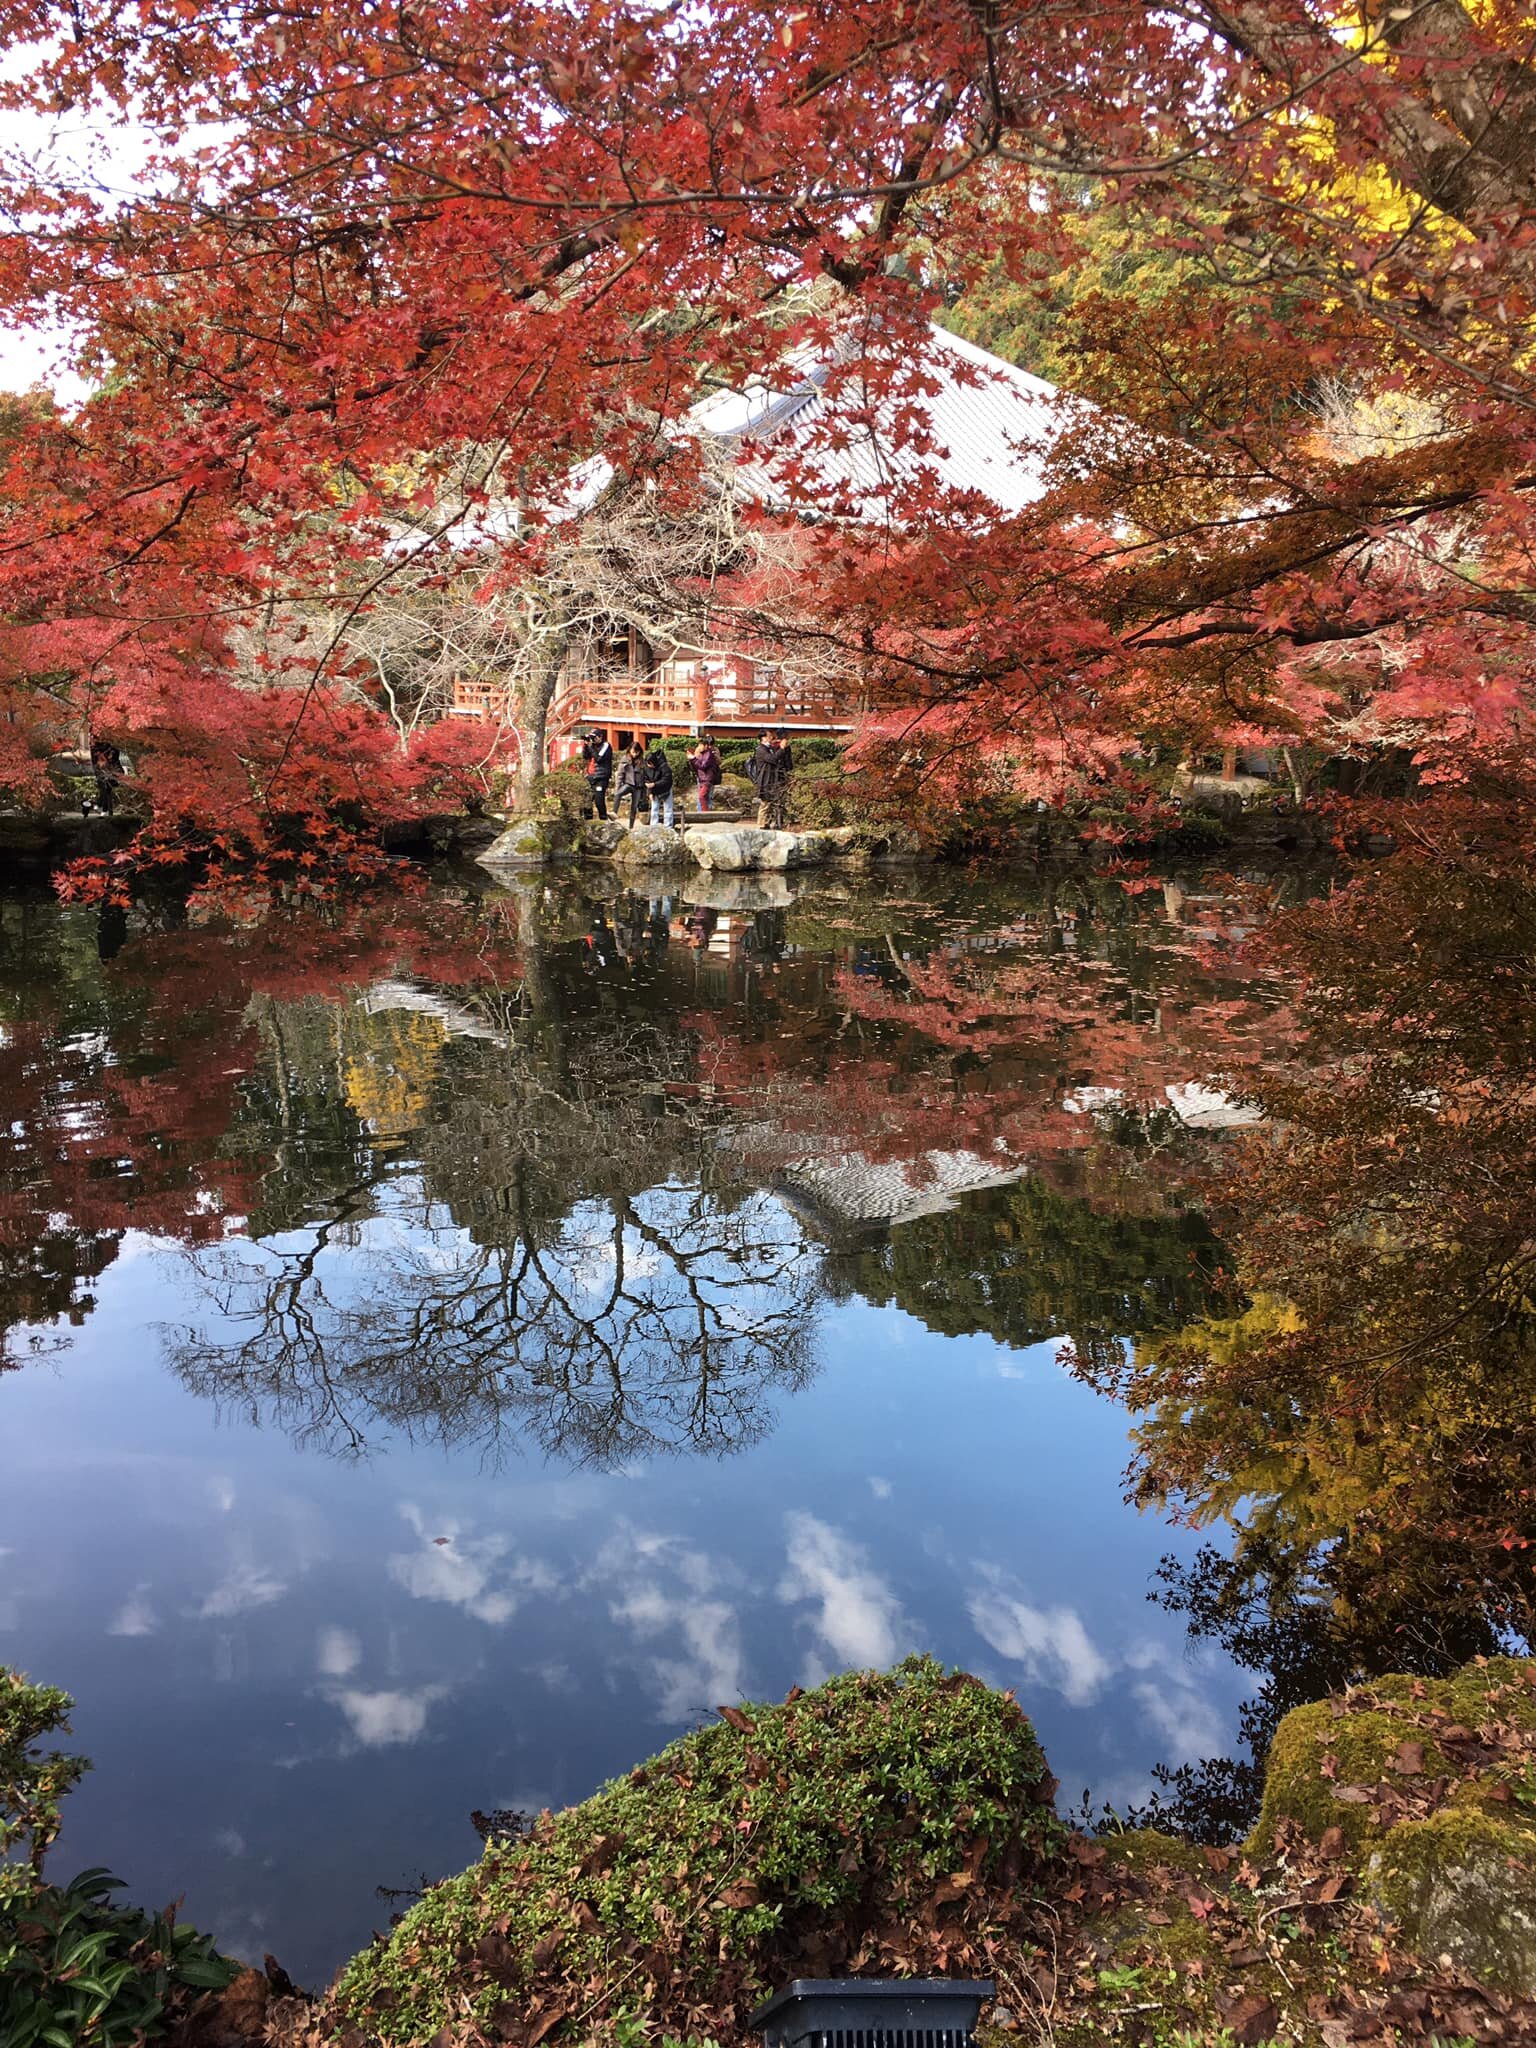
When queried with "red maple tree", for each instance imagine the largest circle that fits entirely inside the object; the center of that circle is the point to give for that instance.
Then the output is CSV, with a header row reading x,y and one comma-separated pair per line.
x,y
370,240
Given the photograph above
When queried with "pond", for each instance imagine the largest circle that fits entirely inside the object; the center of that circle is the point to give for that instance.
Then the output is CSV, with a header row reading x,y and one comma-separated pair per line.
x,y
460,1341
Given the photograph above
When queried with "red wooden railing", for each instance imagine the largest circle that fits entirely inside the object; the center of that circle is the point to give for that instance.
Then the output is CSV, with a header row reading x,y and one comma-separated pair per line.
x,y
661,702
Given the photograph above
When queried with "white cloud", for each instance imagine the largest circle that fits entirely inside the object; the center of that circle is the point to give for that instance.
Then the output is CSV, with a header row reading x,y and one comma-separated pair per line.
x,y
379,1719
880,1488
858,1620
467,1571
241,1589
135,1617
659,1587
1174,1704
709,1670
338,1652
1051,1643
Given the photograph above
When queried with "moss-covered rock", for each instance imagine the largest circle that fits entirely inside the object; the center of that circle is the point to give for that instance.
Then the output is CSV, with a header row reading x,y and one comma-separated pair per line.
x,y
650,846
531,843
1140,1850
599,837
885,1821
1462,1883
1428,1787
1335,1763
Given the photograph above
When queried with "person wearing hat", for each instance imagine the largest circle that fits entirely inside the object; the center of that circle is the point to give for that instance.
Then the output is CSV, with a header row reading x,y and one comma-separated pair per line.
x,y
770,769
598,756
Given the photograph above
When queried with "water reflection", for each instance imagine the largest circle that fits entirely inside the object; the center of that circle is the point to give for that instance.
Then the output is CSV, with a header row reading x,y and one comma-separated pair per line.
x,y
459,1217
1361,1406
622,1328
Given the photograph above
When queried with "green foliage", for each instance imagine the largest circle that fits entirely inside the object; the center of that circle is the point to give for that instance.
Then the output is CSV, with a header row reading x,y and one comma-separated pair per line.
x,y
822,797
1025,1263
1112,312
735,754
74,1968
885,1821
561,793
31,1784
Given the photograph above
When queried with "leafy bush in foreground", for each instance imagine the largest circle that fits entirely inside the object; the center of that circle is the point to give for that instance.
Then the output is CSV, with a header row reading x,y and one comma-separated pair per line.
x,y
883,1822
75,1970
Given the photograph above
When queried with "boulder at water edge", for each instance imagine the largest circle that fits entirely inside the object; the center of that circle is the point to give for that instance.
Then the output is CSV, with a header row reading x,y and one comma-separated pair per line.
x,y
1425,1784
650,846
600,837
530,843
735,848
742,848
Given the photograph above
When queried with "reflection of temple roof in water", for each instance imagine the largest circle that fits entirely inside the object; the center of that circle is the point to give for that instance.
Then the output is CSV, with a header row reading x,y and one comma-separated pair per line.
x,y
851,1189
457,1021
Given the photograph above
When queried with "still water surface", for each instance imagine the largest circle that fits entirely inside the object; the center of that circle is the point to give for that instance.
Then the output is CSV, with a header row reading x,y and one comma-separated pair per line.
x,y
462,1341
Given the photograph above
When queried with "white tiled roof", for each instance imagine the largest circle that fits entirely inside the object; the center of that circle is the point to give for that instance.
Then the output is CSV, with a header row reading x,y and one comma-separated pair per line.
x,y
992,426
857,1189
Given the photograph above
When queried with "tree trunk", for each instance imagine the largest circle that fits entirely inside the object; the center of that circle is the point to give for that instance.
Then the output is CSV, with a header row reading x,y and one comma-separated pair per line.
x,y
533,722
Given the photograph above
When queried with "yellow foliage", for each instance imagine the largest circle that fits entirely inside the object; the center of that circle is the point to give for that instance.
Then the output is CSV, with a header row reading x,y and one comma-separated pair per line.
x,y
389,1080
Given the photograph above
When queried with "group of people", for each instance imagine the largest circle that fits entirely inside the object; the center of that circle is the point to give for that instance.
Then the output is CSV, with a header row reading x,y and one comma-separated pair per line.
x,y
646,772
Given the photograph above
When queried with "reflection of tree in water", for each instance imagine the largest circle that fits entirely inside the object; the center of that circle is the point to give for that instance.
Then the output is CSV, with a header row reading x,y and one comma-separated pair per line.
x,y
622,1329
556,1262
1027,1263
116,1099
1364,1413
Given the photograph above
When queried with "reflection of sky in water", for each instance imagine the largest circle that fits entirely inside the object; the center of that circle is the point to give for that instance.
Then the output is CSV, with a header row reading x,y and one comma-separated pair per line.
x,y
297,1676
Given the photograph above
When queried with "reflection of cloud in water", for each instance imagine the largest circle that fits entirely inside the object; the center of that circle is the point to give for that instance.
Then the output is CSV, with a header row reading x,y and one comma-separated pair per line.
x,y
466,1571
659,1587
1174,1704
135,1617
1051,1643
1053,1648
241,1589
859,1620
379,1719
338,1652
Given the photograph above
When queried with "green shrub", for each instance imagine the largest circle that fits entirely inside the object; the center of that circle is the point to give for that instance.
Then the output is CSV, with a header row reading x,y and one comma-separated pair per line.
x,y
561,793
885,1822
822,797
74,1968
31,1784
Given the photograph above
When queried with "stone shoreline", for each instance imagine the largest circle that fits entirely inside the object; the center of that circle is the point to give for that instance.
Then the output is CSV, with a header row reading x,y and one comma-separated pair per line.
x,y
729,849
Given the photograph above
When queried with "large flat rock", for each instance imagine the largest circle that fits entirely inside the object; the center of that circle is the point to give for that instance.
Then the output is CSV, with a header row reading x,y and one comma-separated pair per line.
x,y
739,849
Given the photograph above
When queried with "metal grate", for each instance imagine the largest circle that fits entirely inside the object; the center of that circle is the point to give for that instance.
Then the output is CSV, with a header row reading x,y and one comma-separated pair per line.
x,y
866,2012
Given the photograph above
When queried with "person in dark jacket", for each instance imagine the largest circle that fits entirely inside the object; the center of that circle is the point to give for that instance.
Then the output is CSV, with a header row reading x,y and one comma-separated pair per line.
x,y
598,757
631,781
658,785
705,762
770,769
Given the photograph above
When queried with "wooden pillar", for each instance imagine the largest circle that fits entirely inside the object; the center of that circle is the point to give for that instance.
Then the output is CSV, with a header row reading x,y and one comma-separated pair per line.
x,y
1228,763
